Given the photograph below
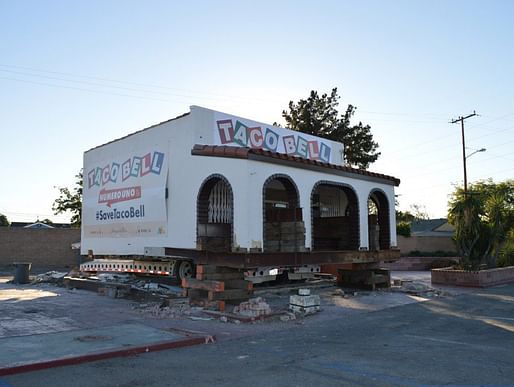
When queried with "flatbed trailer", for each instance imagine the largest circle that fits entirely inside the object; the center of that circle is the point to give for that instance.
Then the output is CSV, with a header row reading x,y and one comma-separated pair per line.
x,y
257,267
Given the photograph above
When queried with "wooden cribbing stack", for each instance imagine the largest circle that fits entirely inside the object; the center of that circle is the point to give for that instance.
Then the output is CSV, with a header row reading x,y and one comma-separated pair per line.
x,y
284,236
215,285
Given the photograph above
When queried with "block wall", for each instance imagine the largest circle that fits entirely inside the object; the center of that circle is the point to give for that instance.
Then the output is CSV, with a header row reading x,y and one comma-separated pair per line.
x,y
44,248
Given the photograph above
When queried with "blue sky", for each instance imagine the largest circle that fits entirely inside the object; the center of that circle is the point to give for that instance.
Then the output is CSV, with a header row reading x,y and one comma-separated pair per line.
x,y
76,74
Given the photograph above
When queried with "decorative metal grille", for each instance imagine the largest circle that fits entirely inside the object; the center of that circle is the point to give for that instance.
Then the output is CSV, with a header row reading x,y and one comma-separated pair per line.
x,y
220,204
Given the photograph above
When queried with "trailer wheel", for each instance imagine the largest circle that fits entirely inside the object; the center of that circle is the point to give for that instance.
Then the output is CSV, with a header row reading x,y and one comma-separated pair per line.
x,y
186,269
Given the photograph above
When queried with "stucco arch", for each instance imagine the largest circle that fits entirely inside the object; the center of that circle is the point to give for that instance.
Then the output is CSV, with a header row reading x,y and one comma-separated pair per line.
x,y
283,227
215,214
381,219
339,227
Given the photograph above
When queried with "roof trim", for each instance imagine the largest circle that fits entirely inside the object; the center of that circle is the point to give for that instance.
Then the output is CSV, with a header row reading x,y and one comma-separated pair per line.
x,y
139,131
292,161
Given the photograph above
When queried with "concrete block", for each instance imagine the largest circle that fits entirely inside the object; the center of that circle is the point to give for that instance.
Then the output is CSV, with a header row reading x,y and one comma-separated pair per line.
x,y
304,310
304,301
305,304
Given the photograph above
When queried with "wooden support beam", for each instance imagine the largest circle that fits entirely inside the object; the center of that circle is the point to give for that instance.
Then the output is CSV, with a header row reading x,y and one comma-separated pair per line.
x,y
211,269
219,276
215,286
230,294
197,294
215,305
238,284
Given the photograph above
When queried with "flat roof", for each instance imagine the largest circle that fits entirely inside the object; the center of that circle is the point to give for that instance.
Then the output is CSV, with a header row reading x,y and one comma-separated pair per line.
x,y
139,131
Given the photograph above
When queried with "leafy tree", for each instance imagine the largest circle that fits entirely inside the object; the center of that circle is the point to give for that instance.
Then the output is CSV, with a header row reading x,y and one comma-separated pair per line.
x,y
483,218
403,228
506,257
406,217
419,212
4,222
318,115
70,201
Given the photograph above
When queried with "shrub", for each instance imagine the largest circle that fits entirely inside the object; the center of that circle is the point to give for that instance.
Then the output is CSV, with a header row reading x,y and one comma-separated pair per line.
x,y
483,216
438,253
506,257
443,262
403,229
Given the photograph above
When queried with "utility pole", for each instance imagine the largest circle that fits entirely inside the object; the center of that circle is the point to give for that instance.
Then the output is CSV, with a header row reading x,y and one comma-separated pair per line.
x,y
462,119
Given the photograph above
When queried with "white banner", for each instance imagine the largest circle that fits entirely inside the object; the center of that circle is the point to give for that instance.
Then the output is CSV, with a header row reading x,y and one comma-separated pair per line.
x,y
235,131
126,196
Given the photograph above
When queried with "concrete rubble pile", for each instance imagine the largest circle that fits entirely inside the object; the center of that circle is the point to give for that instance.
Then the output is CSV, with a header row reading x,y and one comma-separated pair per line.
x,y
157,288
55,277
138,284
255,307
417,289
112,277
162,311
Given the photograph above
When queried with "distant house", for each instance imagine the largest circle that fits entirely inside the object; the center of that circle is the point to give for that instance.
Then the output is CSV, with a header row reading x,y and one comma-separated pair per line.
x,y
428,236
39,225
432,227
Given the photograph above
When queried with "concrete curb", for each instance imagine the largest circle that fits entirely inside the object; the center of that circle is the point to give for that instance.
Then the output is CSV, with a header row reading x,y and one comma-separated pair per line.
x,y
128,351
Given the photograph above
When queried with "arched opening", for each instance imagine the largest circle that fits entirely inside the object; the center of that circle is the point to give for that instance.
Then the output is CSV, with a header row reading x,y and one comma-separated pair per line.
x,y
215,208
335,217
378,221
284,229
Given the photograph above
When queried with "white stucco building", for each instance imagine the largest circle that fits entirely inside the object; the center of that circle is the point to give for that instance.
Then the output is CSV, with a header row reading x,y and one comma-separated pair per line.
x,y
210,181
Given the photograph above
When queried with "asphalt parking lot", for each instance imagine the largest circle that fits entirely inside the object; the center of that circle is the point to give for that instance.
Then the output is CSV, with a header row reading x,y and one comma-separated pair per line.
x,y
460,337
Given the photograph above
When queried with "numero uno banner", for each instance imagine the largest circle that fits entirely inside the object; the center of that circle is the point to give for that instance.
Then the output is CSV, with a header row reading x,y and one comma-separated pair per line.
x,y
125,196
238,132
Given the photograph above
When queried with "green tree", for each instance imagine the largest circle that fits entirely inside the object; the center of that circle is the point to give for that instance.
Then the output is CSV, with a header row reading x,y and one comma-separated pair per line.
x,y
506,257
4,222
318,115
483,218
70,201
403,228
406,216
419,211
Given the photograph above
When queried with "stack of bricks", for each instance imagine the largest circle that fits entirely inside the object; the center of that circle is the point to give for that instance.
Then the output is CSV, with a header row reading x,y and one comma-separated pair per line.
x,y
334,233
256,307
214,286
284,236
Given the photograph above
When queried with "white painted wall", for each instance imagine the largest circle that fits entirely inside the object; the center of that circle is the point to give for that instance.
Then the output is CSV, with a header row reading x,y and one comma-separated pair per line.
x,y
305,181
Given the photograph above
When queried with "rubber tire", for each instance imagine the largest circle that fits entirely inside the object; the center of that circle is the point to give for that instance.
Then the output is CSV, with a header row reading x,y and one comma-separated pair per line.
x,y
186,269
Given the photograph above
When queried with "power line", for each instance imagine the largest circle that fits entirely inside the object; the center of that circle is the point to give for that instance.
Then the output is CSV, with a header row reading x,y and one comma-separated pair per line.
x,y
92,83
480,177
83,89
192,93
439,116
196,94
452,167
432,163
414,148
96,84
444,137
408,121
493,120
